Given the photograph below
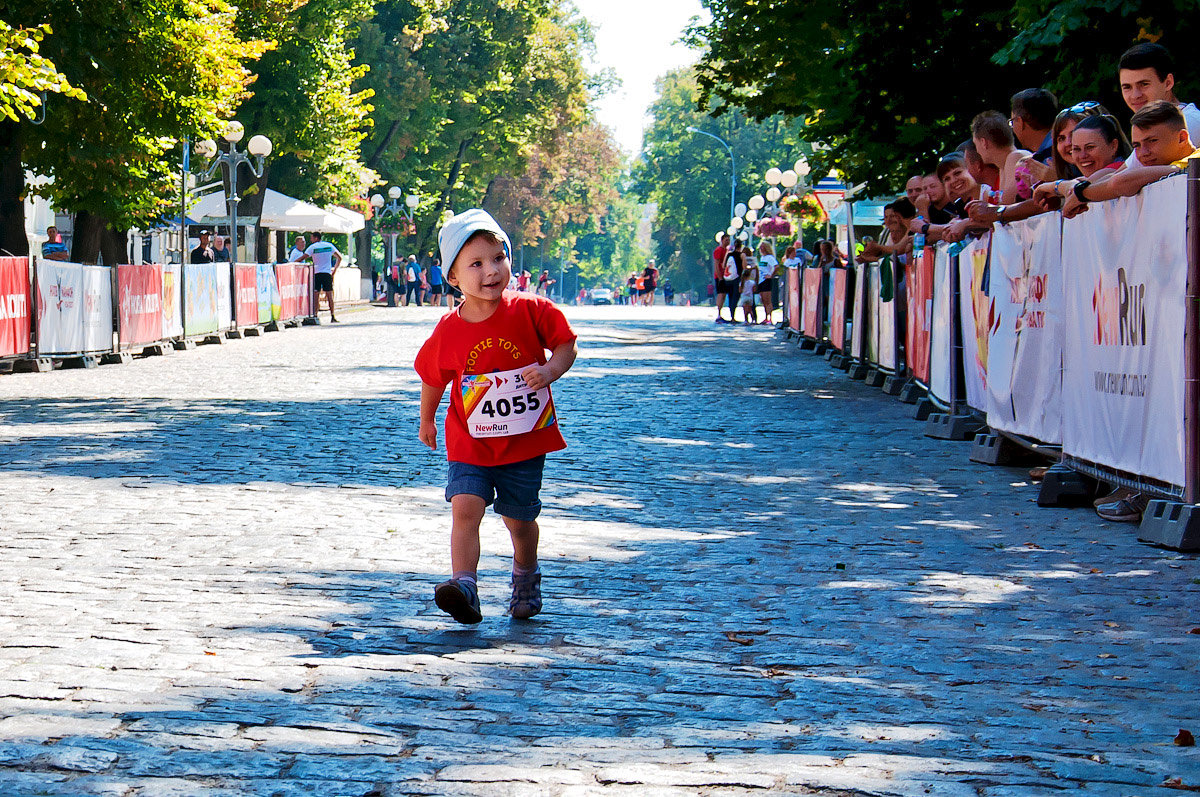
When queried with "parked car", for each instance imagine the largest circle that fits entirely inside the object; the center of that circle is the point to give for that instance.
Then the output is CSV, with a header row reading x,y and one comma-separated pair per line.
x,y
602,296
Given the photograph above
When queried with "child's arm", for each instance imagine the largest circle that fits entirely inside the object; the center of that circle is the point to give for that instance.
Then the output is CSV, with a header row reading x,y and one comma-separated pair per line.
x,y
539,376
431,397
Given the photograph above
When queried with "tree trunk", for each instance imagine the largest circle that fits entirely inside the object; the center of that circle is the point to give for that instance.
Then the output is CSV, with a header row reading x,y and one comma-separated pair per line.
x,y
382,146
444,199
89,230
114,246
12,186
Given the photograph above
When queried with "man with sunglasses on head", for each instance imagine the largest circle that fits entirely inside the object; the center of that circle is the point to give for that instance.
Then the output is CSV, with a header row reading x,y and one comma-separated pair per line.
x,y
1032,116
1147,74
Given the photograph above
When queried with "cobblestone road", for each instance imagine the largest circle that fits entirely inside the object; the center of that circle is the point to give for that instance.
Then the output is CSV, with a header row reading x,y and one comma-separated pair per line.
x,y
760,578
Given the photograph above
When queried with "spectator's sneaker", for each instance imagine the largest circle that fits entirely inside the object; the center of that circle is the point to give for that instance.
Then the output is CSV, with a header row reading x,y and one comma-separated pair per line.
x,y
1119,494
459,599
526,598
1126,510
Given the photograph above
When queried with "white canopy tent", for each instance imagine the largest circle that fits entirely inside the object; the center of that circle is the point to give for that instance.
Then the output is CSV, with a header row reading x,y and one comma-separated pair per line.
x,y
281,212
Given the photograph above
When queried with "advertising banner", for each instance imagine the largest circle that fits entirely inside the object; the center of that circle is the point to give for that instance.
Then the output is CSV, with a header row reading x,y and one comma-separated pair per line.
x,y
873,314
139,304
885,318
14,305
172,301
837,310
793,298
293,290
74,308
1123,315
858,315
245,305
919,282
1024,387
200,298
268,299
941,338
814,310
224,295
978,316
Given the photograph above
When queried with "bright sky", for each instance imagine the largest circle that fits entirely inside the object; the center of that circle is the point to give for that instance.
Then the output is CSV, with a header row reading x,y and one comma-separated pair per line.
x,y
638,39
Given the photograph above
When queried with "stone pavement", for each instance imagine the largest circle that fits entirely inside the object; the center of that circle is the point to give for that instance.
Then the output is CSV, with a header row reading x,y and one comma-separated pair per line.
x,y
760,579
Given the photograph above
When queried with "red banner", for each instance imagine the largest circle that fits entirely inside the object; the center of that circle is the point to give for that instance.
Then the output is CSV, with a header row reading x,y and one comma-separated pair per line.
x,y
813,311
295,290
837,311
139,304
919,283
15,299
793,298
245,304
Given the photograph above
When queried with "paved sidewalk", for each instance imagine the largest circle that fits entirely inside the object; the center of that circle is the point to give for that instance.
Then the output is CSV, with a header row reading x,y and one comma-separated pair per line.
x,y
760,579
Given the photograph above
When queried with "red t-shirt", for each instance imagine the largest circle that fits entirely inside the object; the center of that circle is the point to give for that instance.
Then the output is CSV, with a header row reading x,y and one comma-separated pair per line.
x,y
719,262
517,335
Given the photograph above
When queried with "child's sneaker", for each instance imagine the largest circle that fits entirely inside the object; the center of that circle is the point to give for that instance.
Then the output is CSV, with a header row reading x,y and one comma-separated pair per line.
x,y
459,599
526,598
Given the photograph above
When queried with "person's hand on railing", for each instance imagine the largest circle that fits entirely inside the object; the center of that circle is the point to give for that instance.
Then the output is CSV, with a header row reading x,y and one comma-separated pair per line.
x,y
1072,207
981,212
1040,172
1048,196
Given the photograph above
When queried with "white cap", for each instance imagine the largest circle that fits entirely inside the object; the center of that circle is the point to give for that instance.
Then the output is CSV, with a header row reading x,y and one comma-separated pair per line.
x,y
459,228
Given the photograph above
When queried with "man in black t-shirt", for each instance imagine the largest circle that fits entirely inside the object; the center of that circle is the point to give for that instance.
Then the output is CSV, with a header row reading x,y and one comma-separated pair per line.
x,y
204,253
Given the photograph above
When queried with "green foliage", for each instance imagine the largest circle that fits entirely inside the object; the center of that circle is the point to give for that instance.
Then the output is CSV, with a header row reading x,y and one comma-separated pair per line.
x,y
890,85
465,92
687,174
24,73
310,98
152,72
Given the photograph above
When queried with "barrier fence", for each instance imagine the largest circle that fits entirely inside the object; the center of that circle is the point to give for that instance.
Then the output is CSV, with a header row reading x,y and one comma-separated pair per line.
x,y
1063,335
58,310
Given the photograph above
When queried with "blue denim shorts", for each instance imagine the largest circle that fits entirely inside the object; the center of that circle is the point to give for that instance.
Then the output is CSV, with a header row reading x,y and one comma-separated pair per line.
x,y
512,488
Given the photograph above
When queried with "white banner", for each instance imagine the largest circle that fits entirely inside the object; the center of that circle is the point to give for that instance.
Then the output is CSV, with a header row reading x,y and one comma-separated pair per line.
x,y
885,318
74,308
858,321
224,295
1125,269
1024,358
172,302
978,315
941,354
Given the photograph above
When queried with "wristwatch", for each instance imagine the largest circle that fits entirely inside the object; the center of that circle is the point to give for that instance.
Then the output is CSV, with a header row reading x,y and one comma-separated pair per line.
x,y
1079,186
925,228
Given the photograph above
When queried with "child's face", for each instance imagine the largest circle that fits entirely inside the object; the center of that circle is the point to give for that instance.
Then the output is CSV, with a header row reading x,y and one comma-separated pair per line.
x,y
481,270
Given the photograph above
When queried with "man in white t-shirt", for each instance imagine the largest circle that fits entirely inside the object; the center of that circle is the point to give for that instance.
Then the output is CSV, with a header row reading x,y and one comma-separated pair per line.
x,y
296,253
326,259
1147,73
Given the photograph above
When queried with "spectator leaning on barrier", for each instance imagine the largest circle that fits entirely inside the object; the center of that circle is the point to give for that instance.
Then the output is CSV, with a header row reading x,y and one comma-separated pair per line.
x,y
994,141
914,188
220,250
54,248
204,253
1147,74
984,173
1031,117
1160,140
296,253
932,205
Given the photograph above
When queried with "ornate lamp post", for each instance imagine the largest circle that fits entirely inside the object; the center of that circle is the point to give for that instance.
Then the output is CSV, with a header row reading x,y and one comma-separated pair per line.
x,y
258,148
392,208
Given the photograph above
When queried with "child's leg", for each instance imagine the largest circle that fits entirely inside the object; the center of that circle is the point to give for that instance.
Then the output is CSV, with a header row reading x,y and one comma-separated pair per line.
x,y
467,513
524,535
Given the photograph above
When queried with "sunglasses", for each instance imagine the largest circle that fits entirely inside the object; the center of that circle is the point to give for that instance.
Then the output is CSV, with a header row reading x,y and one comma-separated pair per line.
x,y
1083,107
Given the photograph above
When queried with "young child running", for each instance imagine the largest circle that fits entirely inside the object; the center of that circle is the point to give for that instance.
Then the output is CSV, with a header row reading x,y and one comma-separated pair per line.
x,y
501,421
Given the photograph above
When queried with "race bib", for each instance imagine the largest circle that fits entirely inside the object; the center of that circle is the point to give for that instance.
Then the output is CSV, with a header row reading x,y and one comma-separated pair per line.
x,y
502,405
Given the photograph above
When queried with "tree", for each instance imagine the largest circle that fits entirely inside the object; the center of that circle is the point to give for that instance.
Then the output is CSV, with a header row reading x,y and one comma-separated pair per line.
x,y
687,174
153,72
24,74
889,86
466,90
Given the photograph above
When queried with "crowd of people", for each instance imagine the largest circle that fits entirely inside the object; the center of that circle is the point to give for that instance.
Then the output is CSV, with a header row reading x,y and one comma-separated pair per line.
x,y
1040,157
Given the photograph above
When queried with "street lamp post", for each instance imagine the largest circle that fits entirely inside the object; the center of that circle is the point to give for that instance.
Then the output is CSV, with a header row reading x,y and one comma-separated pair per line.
x,y
258,148
393,208
732,167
